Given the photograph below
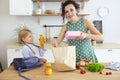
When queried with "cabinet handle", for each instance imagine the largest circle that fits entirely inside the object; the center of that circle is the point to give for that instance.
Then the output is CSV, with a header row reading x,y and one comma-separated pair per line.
x,y
17,50
109,49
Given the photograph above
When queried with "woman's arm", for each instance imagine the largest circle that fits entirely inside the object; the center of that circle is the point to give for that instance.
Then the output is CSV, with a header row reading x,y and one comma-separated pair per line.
x,y
61,36
94,33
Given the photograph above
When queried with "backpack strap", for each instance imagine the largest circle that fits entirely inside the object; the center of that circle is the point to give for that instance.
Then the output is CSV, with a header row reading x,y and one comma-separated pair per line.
x,y
19,73
31,49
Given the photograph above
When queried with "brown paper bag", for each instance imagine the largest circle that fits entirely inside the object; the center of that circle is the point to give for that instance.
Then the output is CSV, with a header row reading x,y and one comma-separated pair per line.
x,y
65,58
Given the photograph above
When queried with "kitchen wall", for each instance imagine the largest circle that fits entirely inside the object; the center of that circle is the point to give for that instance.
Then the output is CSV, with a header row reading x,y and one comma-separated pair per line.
x,y
8,23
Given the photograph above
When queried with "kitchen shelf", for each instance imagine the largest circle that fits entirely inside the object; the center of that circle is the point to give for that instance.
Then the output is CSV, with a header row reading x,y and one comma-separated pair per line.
x,y
46,14
56,14
38,15
57,0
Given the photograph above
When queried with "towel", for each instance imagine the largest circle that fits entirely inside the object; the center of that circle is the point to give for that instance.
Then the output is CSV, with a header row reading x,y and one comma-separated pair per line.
x,y
114,66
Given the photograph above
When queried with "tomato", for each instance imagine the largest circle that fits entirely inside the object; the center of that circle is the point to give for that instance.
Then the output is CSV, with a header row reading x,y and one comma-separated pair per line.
x,y
82,71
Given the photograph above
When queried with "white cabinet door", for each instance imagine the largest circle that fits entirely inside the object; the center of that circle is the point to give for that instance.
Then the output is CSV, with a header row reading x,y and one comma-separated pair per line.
x,y
21,7
115,55
13,53
102,55
108,55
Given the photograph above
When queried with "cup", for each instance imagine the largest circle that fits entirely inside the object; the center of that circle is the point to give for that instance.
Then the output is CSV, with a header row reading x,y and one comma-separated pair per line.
x,y
38,11
93,42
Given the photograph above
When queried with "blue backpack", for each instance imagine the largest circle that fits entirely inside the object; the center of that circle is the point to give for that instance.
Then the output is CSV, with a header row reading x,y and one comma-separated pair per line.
x,y
25,64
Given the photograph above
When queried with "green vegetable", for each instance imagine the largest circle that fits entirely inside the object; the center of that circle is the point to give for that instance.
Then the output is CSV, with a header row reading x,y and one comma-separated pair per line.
x,y
95,67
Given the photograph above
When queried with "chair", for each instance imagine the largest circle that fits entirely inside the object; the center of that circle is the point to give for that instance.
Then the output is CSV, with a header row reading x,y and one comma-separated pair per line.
x,y
1,67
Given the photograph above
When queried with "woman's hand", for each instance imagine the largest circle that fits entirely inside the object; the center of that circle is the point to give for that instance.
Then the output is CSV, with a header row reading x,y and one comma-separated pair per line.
x,y
55,43
82,36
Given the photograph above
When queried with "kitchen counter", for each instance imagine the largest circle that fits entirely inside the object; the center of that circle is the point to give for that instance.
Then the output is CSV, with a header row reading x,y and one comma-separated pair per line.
x,y
108,46
48,45
38,74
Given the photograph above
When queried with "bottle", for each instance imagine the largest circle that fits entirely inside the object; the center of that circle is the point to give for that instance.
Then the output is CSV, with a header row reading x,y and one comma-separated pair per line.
x,y
38,10
41,40
48,34
48,69
43,7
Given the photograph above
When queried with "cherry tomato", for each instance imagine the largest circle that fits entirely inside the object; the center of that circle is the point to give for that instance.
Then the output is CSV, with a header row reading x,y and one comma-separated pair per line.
x,y
100,72
82,71
107,73
110,73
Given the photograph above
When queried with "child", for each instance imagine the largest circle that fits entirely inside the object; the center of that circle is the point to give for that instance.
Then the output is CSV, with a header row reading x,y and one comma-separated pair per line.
x,y
29,49
83,45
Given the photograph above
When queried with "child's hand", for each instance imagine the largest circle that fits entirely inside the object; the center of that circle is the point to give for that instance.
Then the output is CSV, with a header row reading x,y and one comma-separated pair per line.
x,y
42,47
43,60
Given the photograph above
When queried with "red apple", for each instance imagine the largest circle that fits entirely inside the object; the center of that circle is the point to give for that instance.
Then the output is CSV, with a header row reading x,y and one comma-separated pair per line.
x,y
48,71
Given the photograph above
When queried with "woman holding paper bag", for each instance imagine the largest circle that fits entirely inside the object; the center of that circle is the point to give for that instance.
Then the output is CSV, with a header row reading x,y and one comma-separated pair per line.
x,y
82,42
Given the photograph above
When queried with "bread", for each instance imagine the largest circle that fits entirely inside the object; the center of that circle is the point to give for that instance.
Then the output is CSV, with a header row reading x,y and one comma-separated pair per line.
x,y
50,11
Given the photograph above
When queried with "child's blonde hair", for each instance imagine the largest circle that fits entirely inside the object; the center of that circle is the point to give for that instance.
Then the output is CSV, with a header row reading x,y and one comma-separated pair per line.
x,y
22,34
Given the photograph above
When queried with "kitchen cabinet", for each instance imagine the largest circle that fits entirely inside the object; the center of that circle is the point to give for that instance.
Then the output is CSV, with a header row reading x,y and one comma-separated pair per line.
x,y
13,53
21,7
107,55
104,52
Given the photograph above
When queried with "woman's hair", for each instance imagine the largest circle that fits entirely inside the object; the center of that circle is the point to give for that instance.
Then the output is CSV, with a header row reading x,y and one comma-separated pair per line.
x,y
67,2
22,34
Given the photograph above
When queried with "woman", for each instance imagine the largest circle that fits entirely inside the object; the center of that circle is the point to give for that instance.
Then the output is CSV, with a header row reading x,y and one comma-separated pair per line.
x,y
83,45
